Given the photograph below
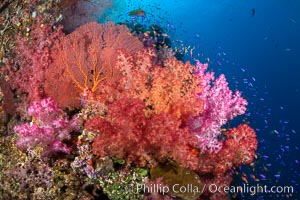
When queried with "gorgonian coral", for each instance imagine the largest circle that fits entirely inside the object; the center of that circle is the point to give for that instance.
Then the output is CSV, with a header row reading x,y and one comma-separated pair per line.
x,y
84,60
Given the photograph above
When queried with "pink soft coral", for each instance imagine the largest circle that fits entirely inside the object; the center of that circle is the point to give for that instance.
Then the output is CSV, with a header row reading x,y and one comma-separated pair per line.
x,y
50,126
220,106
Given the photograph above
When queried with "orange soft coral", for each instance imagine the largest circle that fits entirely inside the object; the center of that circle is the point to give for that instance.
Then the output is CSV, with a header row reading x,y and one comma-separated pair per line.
x,y
171,89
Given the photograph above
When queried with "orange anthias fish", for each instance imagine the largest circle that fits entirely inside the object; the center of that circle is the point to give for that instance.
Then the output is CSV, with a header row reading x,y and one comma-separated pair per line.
x,y
138,12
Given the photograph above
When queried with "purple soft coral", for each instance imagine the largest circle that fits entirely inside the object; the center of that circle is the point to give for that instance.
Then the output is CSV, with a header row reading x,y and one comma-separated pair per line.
x,y
220,105
49,127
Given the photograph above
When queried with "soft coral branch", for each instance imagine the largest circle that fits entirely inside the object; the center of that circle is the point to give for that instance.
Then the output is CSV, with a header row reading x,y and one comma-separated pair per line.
x,y
26,71
127,133
220,106
49,128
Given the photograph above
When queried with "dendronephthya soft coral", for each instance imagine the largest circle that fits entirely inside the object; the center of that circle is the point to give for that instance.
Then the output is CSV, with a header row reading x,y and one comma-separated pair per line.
x,y
49,128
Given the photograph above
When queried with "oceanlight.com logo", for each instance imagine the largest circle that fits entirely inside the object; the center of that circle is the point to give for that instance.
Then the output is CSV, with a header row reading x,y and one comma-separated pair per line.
x,y
254,189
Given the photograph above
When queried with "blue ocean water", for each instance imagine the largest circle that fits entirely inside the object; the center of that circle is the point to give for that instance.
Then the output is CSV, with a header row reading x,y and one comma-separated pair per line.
x,y
256,44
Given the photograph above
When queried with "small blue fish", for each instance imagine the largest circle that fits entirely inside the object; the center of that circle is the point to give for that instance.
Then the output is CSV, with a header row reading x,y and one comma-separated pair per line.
x,y
277,176
265,157
262,176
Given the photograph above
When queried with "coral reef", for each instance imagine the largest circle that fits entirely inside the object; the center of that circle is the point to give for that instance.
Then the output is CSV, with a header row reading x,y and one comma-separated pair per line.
x,y
100,111
17,17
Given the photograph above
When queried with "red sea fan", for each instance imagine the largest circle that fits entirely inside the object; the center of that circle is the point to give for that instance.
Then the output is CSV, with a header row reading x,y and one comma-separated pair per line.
x,y
84,59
